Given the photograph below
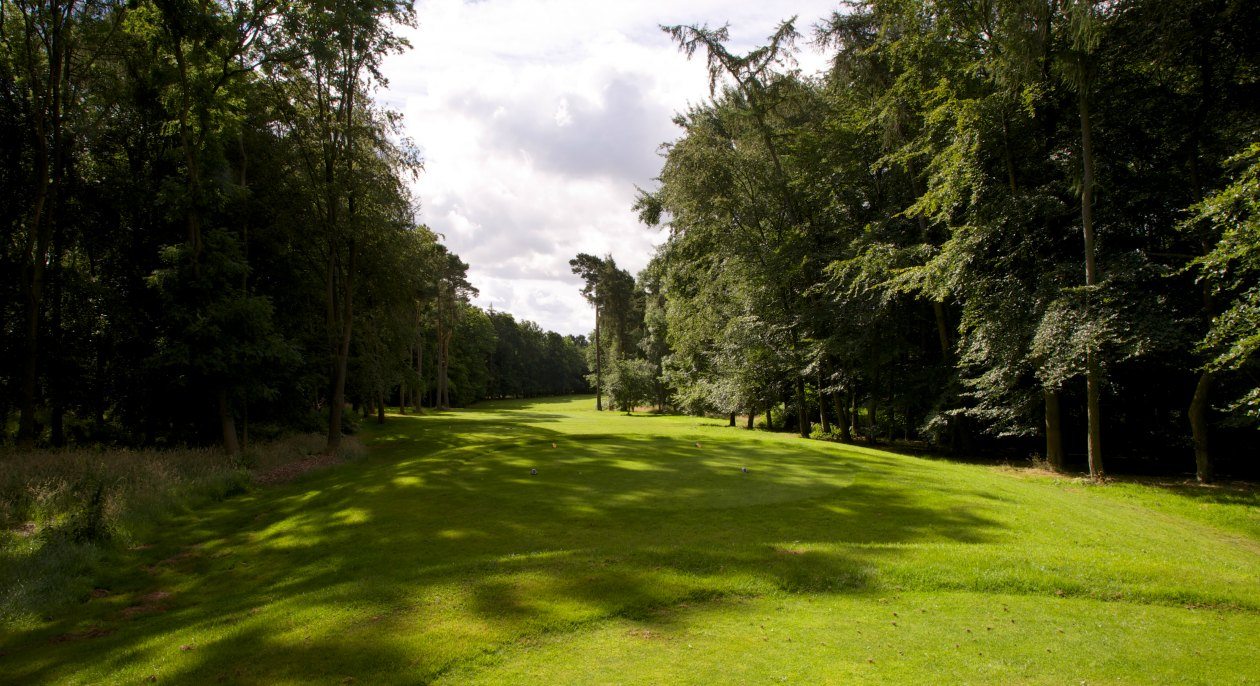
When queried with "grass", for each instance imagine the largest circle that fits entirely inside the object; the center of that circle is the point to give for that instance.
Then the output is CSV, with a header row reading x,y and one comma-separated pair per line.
x,y
641,553
61,511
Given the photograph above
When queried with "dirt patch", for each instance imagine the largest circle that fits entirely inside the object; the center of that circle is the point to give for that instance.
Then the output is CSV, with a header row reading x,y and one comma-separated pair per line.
x,y
179,558
174,561
25,529
292,470
150,603
90,632
644,634
137,610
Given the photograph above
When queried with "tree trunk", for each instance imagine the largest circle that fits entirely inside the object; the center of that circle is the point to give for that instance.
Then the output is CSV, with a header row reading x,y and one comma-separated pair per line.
x,y
439,400
444,367
48,165
872,426
822,408
227,424
338,394
732,418
942,331
1093,389
419,376
1198,415
56,366
1093,369
1054,430
802,412
892,406
599,366
842,416
380,407
752,416
37,252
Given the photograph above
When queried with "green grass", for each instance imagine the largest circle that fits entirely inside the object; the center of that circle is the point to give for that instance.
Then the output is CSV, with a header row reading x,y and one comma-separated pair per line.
x,y
63,512
634,556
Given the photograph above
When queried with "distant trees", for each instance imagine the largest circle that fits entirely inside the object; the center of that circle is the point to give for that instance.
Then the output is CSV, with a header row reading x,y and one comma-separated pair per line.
x,y
529,362
896,246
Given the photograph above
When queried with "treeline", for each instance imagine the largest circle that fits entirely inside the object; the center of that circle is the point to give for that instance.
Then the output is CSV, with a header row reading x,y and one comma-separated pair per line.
x,y
527,361
208,229
1027,225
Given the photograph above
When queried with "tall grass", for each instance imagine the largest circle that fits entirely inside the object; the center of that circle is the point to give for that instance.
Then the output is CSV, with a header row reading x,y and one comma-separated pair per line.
x,y
62,511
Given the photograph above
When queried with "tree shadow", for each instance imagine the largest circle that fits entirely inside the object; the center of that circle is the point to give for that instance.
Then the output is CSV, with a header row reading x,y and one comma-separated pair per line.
x,y
1222,493
442,546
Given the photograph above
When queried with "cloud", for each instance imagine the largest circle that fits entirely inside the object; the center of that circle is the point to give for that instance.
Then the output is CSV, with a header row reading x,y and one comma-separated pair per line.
x,y
537,119
614,135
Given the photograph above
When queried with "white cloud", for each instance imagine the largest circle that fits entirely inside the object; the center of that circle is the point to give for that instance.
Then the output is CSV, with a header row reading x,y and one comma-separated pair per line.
x,y
537,118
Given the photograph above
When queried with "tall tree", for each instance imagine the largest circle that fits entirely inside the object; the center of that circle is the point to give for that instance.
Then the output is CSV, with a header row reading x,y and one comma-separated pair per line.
x,y
41,42
591,270
342,45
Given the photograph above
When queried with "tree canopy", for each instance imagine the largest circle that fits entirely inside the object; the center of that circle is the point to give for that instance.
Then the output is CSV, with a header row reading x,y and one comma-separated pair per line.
x,y
983,226
209,230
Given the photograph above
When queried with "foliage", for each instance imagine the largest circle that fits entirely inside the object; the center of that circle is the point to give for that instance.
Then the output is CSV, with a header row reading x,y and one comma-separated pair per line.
x,y
904,232
208,228
1232,271
628,383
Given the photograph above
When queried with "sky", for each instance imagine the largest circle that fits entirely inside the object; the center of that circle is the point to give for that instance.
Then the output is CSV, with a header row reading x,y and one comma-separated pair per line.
x,y
537,119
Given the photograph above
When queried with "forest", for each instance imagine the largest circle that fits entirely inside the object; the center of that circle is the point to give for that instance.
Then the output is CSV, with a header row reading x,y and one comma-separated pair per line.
x,y
929,353
1024,228
1021,227
210,233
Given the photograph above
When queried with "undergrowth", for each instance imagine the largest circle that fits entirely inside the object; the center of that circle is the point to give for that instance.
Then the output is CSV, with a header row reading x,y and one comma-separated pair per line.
x,y
63,511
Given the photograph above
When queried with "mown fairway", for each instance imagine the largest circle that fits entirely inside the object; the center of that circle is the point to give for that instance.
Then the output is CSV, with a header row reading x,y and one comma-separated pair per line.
x,y
636,556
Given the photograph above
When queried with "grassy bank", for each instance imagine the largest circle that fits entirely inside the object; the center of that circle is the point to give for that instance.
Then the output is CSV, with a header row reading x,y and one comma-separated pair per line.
x,y
642,552
65,513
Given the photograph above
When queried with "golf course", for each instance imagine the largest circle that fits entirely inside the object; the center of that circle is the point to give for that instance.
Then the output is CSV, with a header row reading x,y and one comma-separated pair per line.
x,y
540,541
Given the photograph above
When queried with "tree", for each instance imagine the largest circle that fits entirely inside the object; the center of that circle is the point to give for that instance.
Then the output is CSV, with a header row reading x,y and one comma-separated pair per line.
x,y
759,94
1083,25
629,383
1231,270
41,42
591,270
331,120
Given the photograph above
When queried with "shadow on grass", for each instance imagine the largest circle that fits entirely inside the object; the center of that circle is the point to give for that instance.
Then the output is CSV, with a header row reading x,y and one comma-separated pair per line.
x,y
442,546
1241,493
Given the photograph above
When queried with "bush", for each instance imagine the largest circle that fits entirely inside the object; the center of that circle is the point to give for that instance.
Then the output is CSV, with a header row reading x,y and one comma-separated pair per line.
x,y
628,383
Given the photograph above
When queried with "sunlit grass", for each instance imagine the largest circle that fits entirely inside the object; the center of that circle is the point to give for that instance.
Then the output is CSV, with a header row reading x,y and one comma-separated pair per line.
x,y
634,556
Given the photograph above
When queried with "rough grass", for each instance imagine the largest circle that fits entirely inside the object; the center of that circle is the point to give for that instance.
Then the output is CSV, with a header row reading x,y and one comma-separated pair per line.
x,y
642,553
61,511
